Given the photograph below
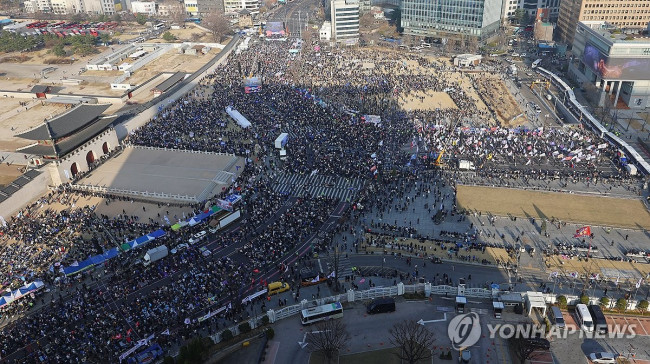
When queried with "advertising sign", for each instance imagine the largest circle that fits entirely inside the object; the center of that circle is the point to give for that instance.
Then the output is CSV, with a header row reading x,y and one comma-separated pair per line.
x,y
616,68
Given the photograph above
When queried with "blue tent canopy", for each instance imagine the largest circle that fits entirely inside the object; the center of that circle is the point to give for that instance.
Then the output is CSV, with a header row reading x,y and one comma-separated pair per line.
x,y
158,233
143,239
81,266
112,253
97,259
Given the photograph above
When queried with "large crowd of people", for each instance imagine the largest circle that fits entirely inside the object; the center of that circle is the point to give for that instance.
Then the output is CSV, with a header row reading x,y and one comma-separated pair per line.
x,y
324,101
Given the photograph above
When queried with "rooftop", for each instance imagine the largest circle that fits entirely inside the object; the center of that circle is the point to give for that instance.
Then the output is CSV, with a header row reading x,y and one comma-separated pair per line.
x,y
615,35
65,124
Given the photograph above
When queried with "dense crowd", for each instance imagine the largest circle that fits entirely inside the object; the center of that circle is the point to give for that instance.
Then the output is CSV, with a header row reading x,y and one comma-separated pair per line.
x,y
322,101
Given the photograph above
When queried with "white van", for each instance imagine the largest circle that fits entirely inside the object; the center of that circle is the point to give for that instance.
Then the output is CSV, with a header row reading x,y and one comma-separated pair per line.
x,y
583,318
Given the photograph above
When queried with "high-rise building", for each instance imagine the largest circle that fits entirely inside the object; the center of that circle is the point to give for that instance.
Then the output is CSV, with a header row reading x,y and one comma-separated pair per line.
x,y
624,14
617,64
345,21
451,18
205,7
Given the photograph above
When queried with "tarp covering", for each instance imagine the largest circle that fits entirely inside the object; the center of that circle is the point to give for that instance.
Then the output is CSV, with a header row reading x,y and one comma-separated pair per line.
x,y
238,117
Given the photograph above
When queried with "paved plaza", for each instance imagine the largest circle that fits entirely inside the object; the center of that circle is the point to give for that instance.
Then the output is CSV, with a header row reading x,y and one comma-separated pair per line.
x,y
167,172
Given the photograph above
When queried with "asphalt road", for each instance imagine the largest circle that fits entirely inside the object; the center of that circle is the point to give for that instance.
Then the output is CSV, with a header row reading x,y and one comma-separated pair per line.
x,y
295,14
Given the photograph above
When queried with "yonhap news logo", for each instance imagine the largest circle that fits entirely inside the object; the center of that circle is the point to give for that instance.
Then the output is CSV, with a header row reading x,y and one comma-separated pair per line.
x,y
464,330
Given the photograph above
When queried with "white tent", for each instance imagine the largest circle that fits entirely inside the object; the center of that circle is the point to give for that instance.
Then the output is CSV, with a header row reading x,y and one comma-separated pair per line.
x,y
239,118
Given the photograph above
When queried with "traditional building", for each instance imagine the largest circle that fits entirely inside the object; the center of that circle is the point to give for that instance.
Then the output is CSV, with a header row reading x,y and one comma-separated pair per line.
x,y
72,142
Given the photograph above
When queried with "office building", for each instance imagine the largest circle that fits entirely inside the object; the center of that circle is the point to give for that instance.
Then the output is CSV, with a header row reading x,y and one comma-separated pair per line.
x,y
234,6
624,14
451,18
205,7
617,64
345,21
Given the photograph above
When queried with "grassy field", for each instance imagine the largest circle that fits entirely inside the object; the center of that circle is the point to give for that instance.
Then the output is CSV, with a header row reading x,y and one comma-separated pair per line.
x,y
566,207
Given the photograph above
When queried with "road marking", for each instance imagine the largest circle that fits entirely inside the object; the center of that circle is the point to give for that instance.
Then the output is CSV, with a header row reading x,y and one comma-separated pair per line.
x,y
422,322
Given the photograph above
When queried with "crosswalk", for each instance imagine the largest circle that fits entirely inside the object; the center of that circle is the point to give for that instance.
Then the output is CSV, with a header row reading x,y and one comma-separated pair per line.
x,y
303,185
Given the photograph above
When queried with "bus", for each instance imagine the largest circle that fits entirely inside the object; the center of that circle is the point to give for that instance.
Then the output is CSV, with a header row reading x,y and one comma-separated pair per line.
x,y
324,312
159,26
536,63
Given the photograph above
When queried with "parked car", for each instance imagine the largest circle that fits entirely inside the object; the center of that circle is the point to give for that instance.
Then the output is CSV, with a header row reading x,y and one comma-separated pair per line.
x,y
602,358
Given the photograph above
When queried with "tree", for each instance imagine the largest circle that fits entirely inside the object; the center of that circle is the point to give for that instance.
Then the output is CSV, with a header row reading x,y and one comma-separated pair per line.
x,y
519,15
413,340
561,301
329,338
117,18
642,306
621,304
523,347
226,335
604,301
218,25
168,37
244,327
584,299
59,51
177,12
105,38
141,19
366,20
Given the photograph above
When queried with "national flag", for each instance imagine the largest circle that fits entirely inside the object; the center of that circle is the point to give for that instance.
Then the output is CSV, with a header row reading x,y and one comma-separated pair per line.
x,y
553,275
117,337
166,332
595,276
638,283
617,280
332,275
316,279
574,275
583,231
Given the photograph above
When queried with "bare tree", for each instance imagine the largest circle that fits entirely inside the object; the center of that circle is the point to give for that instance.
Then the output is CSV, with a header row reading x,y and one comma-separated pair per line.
x,y
177,12
218,25
525,348
413,340
330,337
472,45
366,20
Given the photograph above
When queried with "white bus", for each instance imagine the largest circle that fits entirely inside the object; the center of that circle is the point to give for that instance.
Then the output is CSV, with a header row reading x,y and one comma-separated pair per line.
x,y
159,26
536,63
584,319
324,312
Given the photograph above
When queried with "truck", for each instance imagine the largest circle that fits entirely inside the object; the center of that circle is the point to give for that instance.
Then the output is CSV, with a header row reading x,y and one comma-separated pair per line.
x,y
631,169
512,69
155,254
464,165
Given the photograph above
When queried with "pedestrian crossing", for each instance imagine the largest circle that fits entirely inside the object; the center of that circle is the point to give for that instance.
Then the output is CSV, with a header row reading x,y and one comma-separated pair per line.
x,y
315,185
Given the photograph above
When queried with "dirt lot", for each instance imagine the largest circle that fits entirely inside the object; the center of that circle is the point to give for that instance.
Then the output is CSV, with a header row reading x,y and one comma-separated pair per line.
x,y
566,207
186,34
427,100
171,62
24,121
8,173
499,99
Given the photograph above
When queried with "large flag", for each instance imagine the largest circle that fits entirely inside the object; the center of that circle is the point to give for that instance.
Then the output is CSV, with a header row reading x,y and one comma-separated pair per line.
x,y
638,283
316,279
583,231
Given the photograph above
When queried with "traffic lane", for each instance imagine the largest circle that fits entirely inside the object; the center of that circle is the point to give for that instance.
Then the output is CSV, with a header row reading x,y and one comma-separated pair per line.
x,y
480,274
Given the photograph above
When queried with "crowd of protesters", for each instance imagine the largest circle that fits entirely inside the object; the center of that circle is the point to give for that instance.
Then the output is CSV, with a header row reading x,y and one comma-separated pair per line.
x,y
320,99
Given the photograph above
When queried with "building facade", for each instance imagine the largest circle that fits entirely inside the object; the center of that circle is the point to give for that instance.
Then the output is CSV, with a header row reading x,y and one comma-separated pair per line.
x,y
345,21
93,7
618,65
234,6
624,14
451,18
204,7
143,7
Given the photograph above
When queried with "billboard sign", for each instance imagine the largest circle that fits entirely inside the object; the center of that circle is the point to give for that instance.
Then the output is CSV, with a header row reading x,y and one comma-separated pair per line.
x,y
615,68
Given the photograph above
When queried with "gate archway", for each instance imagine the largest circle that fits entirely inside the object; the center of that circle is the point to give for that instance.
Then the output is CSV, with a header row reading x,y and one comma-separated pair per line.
x,y
105,148
74,169
90,157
